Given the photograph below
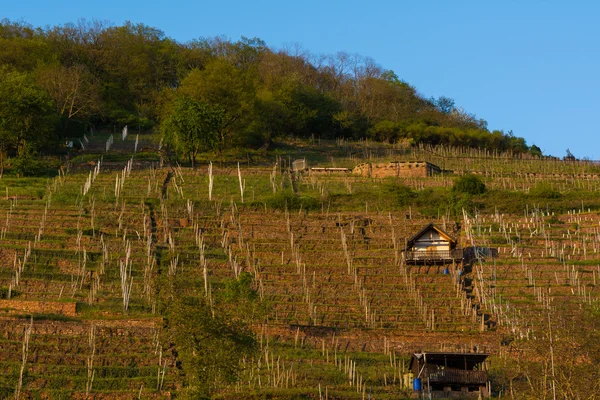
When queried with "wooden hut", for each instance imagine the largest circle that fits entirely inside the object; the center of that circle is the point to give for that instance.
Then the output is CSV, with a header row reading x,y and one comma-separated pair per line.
x,y
432,245
451,375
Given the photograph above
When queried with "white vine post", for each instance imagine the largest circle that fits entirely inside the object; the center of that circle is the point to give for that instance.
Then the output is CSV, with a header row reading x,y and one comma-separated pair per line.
x,y
126,282
26,336
124,133
200,242
109,142
242,183
90,360
210,181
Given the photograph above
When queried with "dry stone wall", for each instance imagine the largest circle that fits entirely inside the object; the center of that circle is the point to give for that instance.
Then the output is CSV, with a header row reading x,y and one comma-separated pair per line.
x,y
68,309
415,169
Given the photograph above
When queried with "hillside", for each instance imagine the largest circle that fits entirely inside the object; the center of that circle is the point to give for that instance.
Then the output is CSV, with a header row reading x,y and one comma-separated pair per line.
x,y
63,83
298,288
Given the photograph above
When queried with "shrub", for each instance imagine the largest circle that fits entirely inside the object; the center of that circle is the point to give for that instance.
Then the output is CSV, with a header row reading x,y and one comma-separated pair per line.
x,y
28,165
469,184
502,201
497,240
431,201
4,293
241,288
553,220
403,195
544,190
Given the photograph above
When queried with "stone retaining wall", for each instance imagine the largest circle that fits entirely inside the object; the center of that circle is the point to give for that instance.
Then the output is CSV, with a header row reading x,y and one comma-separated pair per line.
x,y
413,169
41,307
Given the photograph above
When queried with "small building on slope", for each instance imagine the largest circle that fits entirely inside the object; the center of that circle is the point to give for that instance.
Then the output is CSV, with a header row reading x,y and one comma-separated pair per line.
x,y
432,245
450,375
398,169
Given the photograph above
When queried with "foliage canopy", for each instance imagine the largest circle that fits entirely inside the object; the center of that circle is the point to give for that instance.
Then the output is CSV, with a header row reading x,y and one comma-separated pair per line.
x,y
469,184
193,126
89,74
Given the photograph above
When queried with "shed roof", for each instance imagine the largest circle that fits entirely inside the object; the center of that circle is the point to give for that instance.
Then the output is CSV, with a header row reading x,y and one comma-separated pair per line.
x,y
430,226
439,358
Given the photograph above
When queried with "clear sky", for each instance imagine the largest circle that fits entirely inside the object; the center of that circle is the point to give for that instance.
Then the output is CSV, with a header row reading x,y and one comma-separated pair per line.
x,y
529,66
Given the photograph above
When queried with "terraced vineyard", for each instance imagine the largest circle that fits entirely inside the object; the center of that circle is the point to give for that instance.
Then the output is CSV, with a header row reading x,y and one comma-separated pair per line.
x,y
86,257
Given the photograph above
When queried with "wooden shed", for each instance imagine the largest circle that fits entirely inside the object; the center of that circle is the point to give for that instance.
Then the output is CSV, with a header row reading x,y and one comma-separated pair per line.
x,y
432,245
451,375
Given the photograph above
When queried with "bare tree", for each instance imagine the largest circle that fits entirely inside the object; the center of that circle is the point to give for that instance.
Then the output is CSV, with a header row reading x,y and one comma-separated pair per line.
x,y
73,90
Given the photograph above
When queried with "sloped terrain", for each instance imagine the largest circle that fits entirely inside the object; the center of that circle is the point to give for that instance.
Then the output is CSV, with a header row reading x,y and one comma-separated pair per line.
x,y
85,257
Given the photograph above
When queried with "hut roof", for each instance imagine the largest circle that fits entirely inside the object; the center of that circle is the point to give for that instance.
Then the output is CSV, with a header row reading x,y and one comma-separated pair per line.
x,y
441,358
426,229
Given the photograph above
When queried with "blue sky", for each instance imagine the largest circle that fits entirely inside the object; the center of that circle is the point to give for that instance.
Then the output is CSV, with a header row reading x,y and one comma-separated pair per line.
x,y
527,66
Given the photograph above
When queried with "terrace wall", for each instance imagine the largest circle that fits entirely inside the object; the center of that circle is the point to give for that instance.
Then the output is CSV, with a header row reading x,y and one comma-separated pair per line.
x,y
417,169
41,307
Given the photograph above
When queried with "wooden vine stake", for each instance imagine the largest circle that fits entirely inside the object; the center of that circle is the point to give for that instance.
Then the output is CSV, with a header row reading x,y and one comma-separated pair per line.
x,y
26,336
210,180
242,182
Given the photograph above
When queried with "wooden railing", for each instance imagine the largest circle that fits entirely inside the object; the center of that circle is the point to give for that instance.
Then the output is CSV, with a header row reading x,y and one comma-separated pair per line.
x,y
455,376
432,256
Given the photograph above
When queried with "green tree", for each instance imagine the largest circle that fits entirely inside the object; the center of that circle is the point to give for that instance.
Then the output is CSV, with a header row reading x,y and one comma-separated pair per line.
x,y
209,335
27,118
385,131
101,74
469,184
192,126
209,346
271,117
535,151
226,87
131,64
22,46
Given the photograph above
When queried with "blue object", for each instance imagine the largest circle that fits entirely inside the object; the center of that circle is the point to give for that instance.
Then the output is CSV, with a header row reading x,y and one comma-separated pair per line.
x,y
446,271
417,384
